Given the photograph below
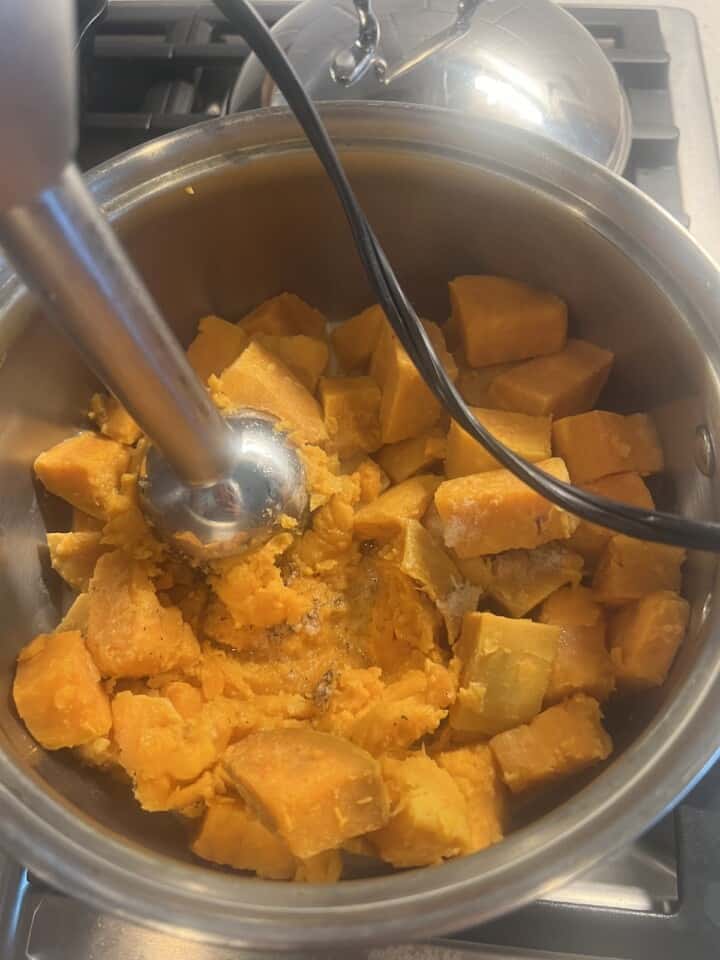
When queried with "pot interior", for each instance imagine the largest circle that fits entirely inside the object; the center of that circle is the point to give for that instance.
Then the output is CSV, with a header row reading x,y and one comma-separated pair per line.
x,y
254,227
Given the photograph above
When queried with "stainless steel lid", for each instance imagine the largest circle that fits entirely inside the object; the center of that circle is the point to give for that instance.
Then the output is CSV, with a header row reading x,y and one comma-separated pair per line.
x,y
524,62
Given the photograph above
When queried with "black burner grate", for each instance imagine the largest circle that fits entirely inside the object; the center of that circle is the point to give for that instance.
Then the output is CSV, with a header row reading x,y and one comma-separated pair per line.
x,y
157,67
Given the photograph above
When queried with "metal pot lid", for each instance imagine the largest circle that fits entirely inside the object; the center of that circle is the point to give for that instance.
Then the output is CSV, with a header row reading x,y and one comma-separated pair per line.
x,y
524,62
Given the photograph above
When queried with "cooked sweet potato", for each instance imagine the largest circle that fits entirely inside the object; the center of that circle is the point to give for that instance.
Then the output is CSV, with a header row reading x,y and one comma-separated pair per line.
x,y
644,638
216,345
560,741
74,555
500,319
630,569
57,691
529,437
355,339
306,357
474,383
590,539
494,511
231,835
315,790
475,772
406,501
84,470
351,408
113,420
599,443
402,460
284,316
572,607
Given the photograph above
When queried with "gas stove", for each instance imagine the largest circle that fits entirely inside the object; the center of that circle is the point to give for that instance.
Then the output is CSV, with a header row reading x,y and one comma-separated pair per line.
x,y
149,68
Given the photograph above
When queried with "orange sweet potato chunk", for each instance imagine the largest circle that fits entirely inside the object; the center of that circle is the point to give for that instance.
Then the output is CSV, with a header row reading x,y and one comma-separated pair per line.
x,y
500,319
231,835
403,460
314,789
356,338
561,740
113,420
284,315
85,470
57,691
351,408
644,638
476,774
559,385
599,443
494,511
527,436
259,380
573,606
129,633
474,383
429,819
216,345
306,357
74,555
406,501
590,539
582,665
630,569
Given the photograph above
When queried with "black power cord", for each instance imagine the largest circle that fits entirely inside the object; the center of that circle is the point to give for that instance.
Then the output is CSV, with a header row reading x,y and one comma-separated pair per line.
x,y
651,525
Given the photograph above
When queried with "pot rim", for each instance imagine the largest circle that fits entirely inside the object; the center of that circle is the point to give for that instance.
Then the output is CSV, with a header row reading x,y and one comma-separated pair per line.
x,y
71,853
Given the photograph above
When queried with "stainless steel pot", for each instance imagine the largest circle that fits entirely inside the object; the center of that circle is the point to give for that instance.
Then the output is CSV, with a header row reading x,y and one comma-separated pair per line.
x,y
445,199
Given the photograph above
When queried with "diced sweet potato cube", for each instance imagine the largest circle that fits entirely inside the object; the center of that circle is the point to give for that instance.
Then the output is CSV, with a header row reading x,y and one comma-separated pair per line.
x,y
527,436
351,407
371,478
475,772
590,539
403,460
429,819
426,562
572,607
505,672
561,740
560,385
283,316
500,319
599,443
408,407
74,555
405,501
233,836
306,357
113,420
76,617
216,345
494,511
630,569
314,789
644,638
582,665
84,470
258,380
129,633
519,580
355,339
57,691
474,384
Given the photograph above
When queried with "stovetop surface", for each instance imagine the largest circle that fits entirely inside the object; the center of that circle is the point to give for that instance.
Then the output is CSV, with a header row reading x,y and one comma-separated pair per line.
x,y
152,68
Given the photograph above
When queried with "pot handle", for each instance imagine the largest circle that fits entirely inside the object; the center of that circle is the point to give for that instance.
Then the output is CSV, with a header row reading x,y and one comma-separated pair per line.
x,y
352,64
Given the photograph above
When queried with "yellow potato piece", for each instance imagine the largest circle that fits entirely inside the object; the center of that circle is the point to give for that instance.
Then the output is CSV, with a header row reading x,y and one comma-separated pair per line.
x,y
315,790
590,539
429,820
306,357
559,385
113,420
258,380
74,555
57,691
284,316
476,774
518,580
560,741
644,638
129,634
356,338
494,511
351,408
529,437
598,443
629,569
500,319
403,460
85,470
216,345
406,501
231,835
